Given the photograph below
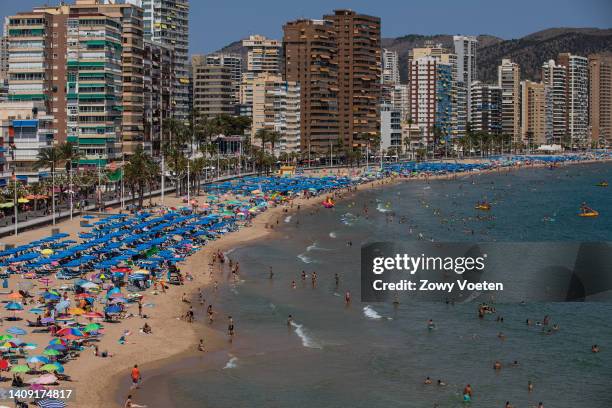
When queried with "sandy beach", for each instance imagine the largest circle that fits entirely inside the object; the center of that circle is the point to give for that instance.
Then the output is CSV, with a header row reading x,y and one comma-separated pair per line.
x,y
100,382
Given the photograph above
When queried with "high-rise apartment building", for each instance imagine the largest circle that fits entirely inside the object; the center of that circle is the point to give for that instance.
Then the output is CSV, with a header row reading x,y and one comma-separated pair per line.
x,y
167,22
4,57
337,62
25,129
509,80
486,108
600,98
159,83
359,72
390,128
311,60
536,121
458,92
400,99
213,91
554,77
276,107
390,62
466,51
234,63
264,55
431,97
577,97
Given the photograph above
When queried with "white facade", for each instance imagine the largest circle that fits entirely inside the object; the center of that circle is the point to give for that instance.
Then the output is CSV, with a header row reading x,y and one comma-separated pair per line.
x,y
390,73
578,100
465,48
554,76
390,127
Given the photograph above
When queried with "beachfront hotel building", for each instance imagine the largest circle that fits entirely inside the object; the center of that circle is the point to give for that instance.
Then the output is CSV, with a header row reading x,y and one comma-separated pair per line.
x,y
536,117
431,97
600,98
264,55
509,80
276,107
167,22
577,97
486,108
466,50
390,67
213,91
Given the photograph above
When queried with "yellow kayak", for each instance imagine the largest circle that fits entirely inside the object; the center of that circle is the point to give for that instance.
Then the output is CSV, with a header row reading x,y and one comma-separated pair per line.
x,y
484,207
602,184
589,214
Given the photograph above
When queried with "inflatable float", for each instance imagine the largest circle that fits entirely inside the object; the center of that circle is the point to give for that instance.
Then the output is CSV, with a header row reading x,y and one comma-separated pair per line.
x,y
591,213
483,206
328,203
602,184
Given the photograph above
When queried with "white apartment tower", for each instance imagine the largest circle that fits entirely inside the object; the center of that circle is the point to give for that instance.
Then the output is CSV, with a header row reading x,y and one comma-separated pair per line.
x,y
263,56
554,76
509,80
167,22
465,48
390,74
577,88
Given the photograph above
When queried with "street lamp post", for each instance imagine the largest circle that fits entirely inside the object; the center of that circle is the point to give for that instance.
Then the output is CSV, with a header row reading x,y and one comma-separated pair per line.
x,y
53,183
99,183
15,197
122,180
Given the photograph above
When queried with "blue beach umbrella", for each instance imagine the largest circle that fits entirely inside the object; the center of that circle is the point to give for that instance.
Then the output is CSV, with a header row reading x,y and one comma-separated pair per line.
x,y
50,403
13,306
16,330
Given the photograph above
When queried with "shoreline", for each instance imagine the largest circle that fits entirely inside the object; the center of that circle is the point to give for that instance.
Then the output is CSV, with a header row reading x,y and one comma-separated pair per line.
x,y
157,366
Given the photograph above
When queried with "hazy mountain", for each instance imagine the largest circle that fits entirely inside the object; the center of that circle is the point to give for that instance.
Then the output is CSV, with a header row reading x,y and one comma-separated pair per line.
x,y
529,51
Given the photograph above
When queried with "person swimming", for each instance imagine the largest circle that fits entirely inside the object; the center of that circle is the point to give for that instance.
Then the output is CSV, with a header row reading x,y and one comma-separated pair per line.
x,y
289,320
427,381
430,324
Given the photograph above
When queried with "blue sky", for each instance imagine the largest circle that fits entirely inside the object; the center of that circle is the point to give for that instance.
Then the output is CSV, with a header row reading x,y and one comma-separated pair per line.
x,y
216,23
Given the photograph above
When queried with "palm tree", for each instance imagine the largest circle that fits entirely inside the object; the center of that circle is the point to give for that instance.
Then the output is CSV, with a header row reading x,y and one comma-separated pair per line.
x,y
138,172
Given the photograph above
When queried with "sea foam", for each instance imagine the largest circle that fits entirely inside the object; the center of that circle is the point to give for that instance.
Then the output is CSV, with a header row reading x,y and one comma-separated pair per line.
x,y
307,341
232,363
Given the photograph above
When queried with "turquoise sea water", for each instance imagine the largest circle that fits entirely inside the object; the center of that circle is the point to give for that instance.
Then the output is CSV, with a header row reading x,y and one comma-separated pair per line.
x,y
377,355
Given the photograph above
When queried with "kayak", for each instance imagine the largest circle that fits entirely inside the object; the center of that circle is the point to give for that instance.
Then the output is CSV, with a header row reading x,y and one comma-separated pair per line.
x,y
484,207
589,214
602,184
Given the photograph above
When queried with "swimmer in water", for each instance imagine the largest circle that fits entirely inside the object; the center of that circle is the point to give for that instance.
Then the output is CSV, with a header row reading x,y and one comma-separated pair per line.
x,y
347,297
201,345
441,383
529,386
271,275
293,285
289,320
337,279
430,324
595,348
303,275
314,279
427,381
497,366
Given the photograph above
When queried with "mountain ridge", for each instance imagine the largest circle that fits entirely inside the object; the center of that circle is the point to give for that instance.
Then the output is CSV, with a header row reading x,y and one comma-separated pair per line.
x,y
529,51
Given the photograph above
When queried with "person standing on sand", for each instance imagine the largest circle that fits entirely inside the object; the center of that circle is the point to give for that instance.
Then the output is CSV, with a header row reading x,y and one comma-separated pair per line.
x,y
230,328
136,377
